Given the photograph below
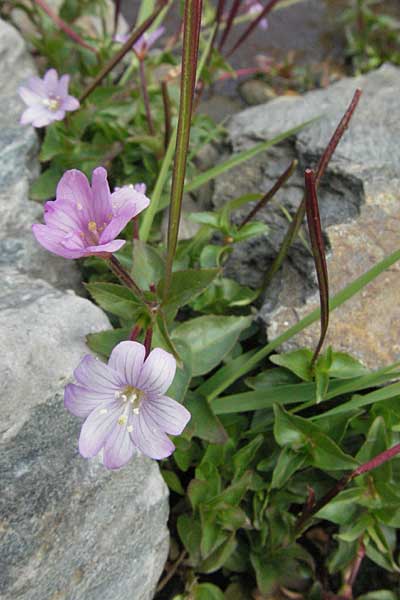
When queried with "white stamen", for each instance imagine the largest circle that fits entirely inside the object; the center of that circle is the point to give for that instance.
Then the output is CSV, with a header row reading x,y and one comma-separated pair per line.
x,y
117,395
136,411
79,206
103,411
129,428
122,420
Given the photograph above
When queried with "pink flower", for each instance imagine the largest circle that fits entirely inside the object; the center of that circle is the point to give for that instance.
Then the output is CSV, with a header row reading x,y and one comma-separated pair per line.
x,y
255,7
144,43
138,187
84,220
125,405
47,99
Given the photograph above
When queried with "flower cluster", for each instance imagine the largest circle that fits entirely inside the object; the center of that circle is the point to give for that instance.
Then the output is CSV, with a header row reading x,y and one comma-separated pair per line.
x,y
47,99
125,405
123,402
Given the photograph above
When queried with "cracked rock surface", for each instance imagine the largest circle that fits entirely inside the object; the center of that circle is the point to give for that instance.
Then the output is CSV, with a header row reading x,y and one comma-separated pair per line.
x,y
360,210
69,529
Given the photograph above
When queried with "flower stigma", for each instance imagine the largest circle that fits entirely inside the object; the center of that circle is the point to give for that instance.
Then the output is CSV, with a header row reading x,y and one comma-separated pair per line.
x,y
52,104
133,396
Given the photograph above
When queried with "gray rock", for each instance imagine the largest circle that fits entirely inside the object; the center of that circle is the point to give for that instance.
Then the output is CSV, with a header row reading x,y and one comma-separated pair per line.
x,y
359,203
70,529
18,167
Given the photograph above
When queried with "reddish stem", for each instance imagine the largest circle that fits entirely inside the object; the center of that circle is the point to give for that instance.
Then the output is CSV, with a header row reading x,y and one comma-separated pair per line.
x,y
167,113
295,225
263,13
229,22
117,11
145,94
271,193
370,465
134,333
147,340
318,250
126,47
64,26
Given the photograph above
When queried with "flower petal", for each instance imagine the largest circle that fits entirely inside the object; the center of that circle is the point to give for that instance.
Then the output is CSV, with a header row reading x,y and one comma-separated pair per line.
x,y
118,223
152,443
97,376
70,103
30,97
52,240
62,87
101,249
127,359
51,82
31,114
167,414
96,429
158,372
119,448
101,197
81,402
58,214
129,195
74,188
37,85
42,120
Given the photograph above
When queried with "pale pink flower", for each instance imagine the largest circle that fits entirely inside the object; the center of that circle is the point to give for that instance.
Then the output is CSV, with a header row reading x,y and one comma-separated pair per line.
x,y
144,43
125,405
84,220
47,99
255,7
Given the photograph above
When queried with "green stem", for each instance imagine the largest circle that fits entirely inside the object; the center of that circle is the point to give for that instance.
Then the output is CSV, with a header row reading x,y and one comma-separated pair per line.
x,y
340,298
191,34
148,216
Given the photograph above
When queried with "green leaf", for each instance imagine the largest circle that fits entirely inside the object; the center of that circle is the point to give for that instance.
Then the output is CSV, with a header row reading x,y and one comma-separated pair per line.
x,y
342,509
189,529
244,456
271,378
210,338
344,366
288,463
116,299
233,494
148,266
207,591
264,398
211,219
186,285
104,341
211,531
300,433
212,386
241,157
172,481
234,204
379,595
204,424
250,230
376,442
44,187
53,143
297,361
183,375
217,559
